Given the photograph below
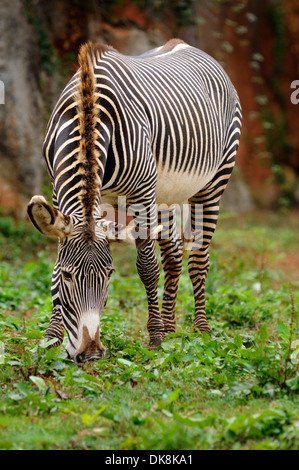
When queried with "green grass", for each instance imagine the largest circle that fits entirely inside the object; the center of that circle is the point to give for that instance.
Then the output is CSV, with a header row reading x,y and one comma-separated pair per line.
x,y
234,389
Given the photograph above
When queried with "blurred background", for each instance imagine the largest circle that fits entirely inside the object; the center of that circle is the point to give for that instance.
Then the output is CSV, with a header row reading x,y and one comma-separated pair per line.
x,y
257,42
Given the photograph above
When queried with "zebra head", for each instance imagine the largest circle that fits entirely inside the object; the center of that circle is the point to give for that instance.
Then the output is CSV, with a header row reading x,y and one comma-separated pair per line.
x,y
81,280
81,275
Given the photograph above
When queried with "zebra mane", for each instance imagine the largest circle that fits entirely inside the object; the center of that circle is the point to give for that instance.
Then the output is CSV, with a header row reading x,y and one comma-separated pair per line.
x,y
88,113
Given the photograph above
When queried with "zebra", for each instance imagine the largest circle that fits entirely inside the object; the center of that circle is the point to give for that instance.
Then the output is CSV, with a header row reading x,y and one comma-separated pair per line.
x,y
156,129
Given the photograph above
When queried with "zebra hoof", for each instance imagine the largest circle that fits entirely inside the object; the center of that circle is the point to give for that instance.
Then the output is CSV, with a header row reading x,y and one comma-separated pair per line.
x,y
53,344
202,329
155,342
50,337
169,331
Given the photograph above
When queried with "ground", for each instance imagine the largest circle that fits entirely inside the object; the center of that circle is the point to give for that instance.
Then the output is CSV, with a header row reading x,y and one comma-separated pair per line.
x,y
233,389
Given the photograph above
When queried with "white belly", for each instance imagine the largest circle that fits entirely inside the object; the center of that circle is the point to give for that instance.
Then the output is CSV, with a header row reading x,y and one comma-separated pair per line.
x,y
174,188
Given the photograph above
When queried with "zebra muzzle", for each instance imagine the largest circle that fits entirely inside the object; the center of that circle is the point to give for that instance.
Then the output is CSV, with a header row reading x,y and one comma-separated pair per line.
x,y
90,349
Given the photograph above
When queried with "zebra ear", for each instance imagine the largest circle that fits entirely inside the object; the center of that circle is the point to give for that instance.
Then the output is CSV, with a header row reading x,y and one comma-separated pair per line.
x,y
47,220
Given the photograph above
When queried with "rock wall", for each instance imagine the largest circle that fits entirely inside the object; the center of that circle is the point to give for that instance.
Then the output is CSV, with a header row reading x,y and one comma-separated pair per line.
x,y
257,43
21,115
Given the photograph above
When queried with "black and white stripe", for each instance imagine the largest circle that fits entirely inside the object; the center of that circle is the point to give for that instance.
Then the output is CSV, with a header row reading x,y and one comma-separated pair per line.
x,y
168,127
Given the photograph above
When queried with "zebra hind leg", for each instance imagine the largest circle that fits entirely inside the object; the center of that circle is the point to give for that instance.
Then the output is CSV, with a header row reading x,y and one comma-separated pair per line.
x,y
198,262
55,328
206,202
171,257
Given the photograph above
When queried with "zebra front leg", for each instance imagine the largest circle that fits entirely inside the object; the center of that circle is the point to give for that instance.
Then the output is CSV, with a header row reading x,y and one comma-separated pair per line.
x,y
55,328
149,271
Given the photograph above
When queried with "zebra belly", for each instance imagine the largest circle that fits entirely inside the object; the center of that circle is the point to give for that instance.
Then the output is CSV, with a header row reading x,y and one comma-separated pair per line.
x,y
175,188
172,187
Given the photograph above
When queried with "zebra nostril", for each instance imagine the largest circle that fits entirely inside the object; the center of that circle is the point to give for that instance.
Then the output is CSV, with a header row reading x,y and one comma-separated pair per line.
x,y
80,358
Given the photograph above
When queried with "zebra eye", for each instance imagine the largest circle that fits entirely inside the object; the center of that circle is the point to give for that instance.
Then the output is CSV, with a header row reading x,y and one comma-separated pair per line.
x,y
109,270
67,275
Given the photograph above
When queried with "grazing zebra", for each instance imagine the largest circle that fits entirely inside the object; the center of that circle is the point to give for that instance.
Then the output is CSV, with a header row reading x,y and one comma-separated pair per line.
x,y
156,129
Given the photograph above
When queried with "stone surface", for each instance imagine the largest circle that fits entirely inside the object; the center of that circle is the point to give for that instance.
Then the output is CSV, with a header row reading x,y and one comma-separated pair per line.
x,y
21,115
270,132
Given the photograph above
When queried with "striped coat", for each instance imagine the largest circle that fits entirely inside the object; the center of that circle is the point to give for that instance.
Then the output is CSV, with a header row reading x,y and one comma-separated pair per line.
x,y
157,129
